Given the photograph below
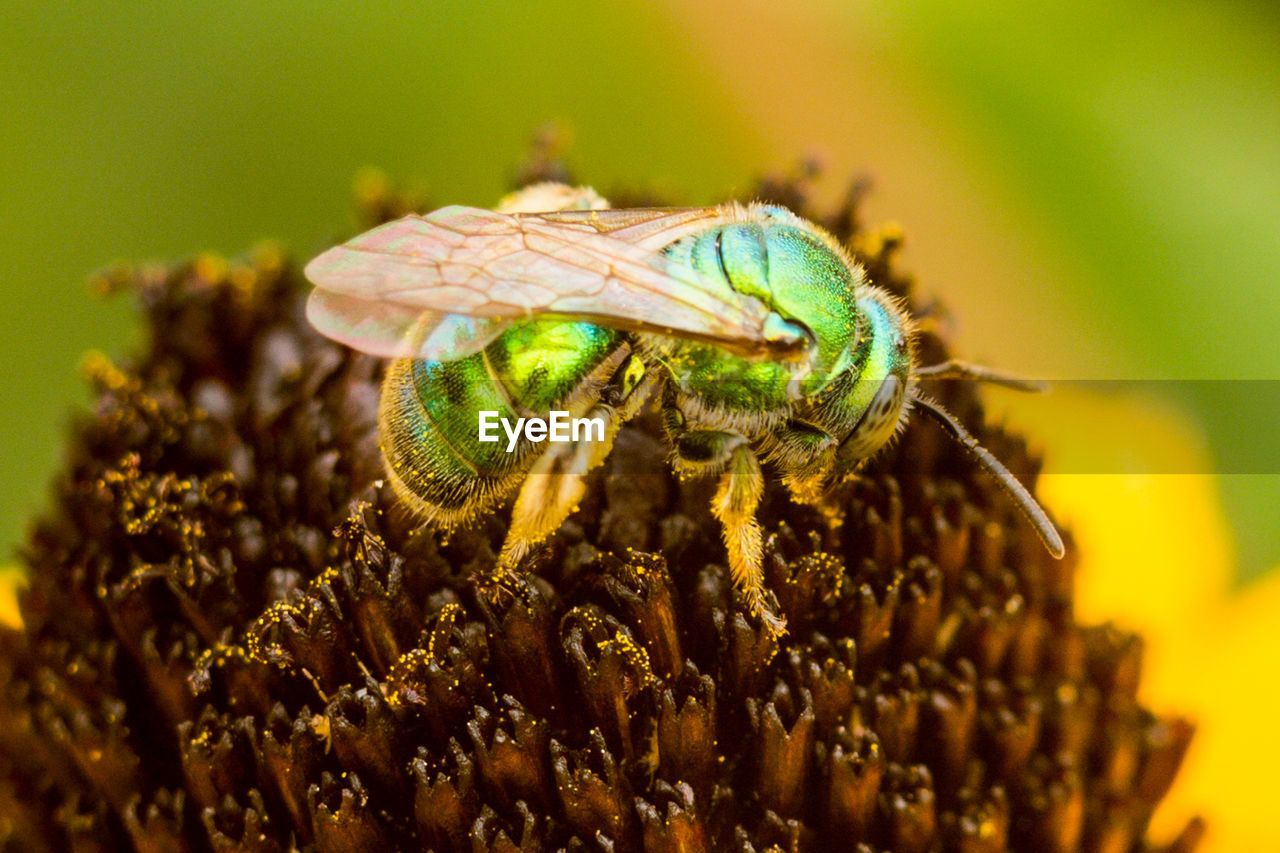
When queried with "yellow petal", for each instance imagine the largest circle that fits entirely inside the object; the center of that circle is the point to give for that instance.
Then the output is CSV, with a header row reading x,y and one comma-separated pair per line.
x,y
9,580
1223,673
1156,558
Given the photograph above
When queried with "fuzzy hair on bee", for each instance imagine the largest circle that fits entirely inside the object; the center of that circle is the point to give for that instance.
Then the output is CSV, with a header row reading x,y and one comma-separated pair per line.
x,y
754,331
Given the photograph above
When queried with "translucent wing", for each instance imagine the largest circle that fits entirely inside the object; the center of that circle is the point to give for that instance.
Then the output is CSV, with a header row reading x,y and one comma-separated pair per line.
x,y
392,330
445,284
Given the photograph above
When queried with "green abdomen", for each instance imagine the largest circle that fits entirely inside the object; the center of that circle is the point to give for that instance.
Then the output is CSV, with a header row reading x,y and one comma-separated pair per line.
x,y
429,412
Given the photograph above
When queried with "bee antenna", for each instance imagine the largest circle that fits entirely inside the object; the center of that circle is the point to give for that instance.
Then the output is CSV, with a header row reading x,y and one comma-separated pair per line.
x,y
956,369
1030,508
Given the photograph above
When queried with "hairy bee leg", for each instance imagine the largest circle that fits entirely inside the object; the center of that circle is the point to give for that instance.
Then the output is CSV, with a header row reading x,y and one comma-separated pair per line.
x,y
556,482
551,491
803,454
734,506
550,195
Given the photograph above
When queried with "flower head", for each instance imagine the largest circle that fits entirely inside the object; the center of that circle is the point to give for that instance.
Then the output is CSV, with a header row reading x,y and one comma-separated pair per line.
x,y
235,638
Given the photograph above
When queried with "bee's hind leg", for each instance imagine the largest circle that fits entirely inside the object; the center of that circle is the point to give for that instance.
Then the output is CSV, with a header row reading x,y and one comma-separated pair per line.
x,y
735,503
551,491
556,482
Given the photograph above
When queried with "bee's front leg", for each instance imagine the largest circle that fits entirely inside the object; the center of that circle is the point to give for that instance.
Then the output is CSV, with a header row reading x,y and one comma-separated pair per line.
x,y
734,505
803,454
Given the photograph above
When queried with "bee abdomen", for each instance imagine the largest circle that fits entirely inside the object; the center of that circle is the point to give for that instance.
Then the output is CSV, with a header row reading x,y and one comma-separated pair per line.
x,y
430,413
428,418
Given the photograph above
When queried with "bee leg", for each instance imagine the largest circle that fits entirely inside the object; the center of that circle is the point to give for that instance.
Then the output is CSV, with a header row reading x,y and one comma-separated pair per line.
x,y
556,482
734,506
803,454
550,195
551,491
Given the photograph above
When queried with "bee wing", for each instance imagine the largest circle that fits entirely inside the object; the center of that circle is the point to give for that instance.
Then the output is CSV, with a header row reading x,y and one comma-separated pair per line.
x,y
647,227
392,330
463,264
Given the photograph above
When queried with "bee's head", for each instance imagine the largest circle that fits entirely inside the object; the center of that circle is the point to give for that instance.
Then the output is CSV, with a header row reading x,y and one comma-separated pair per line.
x,y
884,392
881,388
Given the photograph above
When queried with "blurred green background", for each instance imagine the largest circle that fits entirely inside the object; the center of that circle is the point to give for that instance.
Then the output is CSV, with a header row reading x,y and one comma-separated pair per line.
x,y
1094,190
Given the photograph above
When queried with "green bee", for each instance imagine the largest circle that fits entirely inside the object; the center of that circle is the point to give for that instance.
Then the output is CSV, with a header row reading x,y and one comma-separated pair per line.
x,y
754,328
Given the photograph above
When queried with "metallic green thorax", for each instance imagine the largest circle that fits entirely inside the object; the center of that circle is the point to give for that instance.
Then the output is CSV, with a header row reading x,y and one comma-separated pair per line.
x,y
429,410
789,268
